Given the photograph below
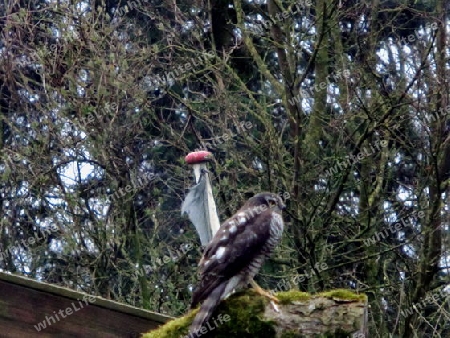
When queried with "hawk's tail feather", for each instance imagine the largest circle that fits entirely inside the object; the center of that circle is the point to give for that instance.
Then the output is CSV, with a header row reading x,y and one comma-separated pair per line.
x,y
207,308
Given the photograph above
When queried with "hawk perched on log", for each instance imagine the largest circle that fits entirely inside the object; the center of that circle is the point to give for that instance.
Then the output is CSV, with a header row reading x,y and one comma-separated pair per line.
x,y
236,253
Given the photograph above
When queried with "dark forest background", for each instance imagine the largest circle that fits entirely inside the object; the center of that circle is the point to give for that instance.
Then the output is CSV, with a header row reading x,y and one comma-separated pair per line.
x,y
96,117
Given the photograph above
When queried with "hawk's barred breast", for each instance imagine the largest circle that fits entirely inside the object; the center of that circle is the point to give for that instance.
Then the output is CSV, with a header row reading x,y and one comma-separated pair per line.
x,y
276,231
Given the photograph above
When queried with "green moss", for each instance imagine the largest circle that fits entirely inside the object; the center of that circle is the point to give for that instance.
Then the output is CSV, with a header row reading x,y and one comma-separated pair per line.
x,y
175,328
289,296
344,295
245,311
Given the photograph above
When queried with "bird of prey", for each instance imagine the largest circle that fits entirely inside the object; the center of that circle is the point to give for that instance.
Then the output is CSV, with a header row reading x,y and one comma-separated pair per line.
x,y
236,253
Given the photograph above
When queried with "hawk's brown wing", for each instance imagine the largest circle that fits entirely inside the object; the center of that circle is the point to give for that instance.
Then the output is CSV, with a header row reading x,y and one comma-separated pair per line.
x,y
239,240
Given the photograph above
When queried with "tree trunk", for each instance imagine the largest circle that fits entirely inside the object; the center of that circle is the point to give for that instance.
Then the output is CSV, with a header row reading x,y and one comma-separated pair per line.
x,y
338,313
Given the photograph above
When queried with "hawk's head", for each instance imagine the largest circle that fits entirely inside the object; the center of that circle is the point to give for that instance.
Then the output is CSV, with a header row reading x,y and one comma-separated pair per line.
x,y
268,199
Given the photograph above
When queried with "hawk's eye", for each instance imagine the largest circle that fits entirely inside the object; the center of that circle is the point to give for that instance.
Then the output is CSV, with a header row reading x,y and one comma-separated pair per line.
x,y
272,203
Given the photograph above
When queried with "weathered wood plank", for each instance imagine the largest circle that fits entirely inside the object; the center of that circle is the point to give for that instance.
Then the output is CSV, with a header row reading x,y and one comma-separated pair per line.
x,y
24,303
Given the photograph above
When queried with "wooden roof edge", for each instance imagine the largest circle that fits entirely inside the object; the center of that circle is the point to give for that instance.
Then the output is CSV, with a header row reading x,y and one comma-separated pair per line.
x,y
77,295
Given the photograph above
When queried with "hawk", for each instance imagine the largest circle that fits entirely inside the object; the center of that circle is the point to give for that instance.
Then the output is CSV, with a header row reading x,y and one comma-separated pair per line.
x,y
236,253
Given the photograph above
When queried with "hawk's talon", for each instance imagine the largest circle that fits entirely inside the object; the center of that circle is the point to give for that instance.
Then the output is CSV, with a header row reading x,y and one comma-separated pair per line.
x,y
274,306
263,292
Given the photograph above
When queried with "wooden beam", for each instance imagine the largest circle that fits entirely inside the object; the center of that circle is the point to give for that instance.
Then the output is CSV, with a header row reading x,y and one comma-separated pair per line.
x,y
24,303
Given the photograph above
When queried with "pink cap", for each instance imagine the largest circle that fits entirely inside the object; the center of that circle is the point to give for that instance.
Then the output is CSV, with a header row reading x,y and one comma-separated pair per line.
x,y
198,157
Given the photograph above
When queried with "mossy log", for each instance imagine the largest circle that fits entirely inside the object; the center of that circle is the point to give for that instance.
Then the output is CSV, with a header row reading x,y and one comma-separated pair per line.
x,y
332,314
